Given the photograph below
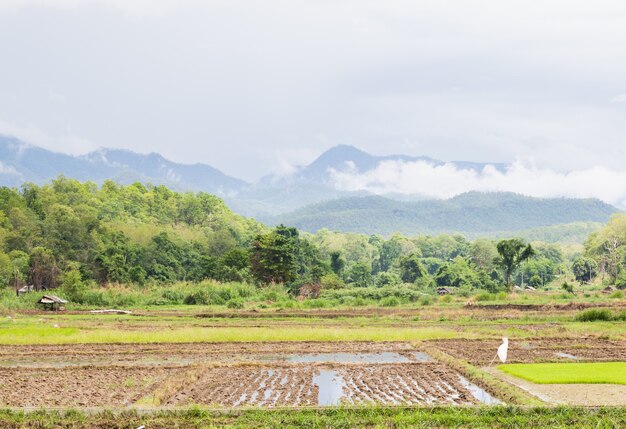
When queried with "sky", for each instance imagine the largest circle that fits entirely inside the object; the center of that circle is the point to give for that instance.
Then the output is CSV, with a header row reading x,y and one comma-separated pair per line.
x,y
257,87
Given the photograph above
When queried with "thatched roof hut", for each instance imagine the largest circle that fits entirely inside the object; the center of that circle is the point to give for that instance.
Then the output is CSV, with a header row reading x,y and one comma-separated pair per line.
x,y
52,302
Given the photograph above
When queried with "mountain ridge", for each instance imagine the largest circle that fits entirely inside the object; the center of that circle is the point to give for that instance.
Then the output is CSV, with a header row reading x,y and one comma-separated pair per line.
x,y
467,213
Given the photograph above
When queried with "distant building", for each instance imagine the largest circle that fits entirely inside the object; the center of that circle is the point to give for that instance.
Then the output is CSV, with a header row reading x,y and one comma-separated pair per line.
x,y
443,291
52,302
25,289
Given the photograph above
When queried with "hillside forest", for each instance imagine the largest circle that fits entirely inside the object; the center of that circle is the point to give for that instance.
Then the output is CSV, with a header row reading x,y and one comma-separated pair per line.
x,y
84,239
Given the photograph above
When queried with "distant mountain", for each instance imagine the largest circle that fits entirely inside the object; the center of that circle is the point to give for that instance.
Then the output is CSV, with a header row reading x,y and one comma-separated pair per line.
x,y
309,199
21,162
349,158
470,213
313,183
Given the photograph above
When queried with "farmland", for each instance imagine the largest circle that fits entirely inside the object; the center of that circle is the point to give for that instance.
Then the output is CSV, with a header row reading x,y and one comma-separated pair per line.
x,y
201,366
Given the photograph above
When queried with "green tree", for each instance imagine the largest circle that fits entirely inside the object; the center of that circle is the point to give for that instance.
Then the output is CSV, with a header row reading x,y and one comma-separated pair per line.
x,y
43,270
584,269
274,256
512,253
361,274
337,263
411,269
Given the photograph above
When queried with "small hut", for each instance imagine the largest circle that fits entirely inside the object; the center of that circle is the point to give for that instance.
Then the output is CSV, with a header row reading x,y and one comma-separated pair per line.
x,y
25,289
443,291
52,302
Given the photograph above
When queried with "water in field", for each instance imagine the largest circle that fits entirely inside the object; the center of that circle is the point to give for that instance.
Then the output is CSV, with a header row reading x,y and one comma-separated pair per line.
x,y
330,385
567,356
382,357
480,394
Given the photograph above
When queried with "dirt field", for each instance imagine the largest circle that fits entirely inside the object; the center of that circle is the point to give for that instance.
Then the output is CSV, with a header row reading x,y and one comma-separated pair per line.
x,y
179,353
481,352
410,384
79,387
226,375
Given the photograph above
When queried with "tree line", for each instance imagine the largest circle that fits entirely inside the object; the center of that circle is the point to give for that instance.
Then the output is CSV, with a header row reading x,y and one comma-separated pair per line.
x,y
69,232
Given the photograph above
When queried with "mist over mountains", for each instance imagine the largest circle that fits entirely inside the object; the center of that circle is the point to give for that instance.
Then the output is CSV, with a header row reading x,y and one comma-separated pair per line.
x,y
343,189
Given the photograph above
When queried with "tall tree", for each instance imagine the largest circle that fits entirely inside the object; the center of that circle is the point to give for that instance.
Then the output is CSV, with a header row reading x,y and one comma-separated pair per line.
x,y
512,253
274,256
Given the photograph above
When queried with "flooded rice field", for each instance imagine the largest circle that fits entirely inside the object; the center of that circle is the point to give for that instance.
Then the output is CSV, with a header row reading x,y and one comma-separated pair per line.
x,y
230,375
591,349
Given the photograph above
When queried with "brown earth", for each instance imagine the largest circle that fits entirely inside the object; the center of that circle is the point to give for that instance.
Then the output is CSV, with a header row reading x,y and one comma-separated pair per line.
x,y
482,352
296,385
178,353
250,386
79,387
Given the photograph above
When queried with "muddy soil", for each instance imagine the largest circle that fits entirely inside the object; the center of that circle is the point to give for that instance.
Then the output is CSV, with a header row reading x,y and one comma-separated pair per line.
x,y
250,386
482,352
80,387
385,384
179,353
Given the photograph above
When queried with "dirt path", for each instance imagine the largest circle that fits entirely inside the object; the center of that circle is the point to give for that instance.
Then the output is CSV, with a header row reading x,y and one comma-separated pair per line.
x,y
569,394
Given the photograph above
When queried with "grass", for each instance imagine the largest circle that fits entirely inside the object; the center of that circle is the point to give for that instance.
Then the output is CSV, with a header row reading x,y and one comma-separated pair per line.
x,y
44,334
600,314
370,417
569,373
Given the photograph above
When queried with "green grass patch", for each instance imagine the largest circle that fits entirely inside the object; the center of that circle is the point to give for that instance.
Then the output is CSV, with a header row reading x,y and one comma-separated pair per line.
x,y
340,418
569,373
44,334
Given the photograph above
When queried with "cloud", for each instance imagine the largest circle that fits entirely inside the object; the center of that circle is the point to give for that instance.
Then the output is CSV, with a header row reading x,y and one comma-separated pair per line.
x,y
66,142
7,169
445,181
619,98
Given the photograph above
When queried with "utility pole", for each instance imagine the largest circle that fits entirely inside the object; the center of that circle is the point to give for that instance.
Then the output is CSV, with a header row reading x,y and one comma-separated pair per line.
x,y
17,289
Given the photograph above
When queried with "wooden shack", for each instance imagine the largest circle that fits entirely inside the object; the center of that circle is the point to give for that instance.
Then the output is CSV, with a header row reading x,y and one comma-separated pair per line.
x,y
25,289
444,291
52,303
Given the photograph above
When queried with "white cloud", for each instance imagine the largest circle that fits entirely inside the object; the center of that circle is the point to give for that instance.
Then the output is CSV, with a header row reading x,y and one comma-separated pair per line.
x,y
445,181
7,169
66,142
619,98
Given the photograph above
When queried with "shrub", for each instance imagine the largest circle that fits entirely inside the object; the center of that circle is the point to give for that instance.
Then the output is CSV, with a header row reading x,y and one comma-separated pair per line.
x,y
567,287
426,300
594,314
485,296
359,302
235,303
331,281
197,298
390,301
617,294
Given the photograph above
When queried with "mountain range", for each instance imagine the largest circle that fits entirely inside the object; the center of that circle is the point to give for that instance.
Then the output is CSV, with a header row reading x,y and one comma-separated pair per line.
x,y
309,198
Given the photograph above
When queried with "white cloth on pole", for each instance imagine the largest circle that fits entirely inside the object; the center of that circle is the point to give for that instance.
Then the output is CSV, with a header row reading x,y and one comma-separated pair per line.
x,y
503,350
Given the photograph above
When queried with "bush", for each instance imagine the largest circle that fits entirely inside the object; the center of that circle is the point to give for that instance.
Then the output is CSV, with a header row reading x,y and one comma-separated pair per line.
x,y
197,298
485,296
567,287
617,294
595,314
390,301
426,300
331,281
235,303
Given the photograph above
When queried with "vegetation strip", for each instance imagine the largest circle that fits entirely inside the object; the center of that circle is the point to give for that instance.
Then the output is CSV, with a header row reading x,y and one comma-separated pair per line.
x,y
374,417
569,373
